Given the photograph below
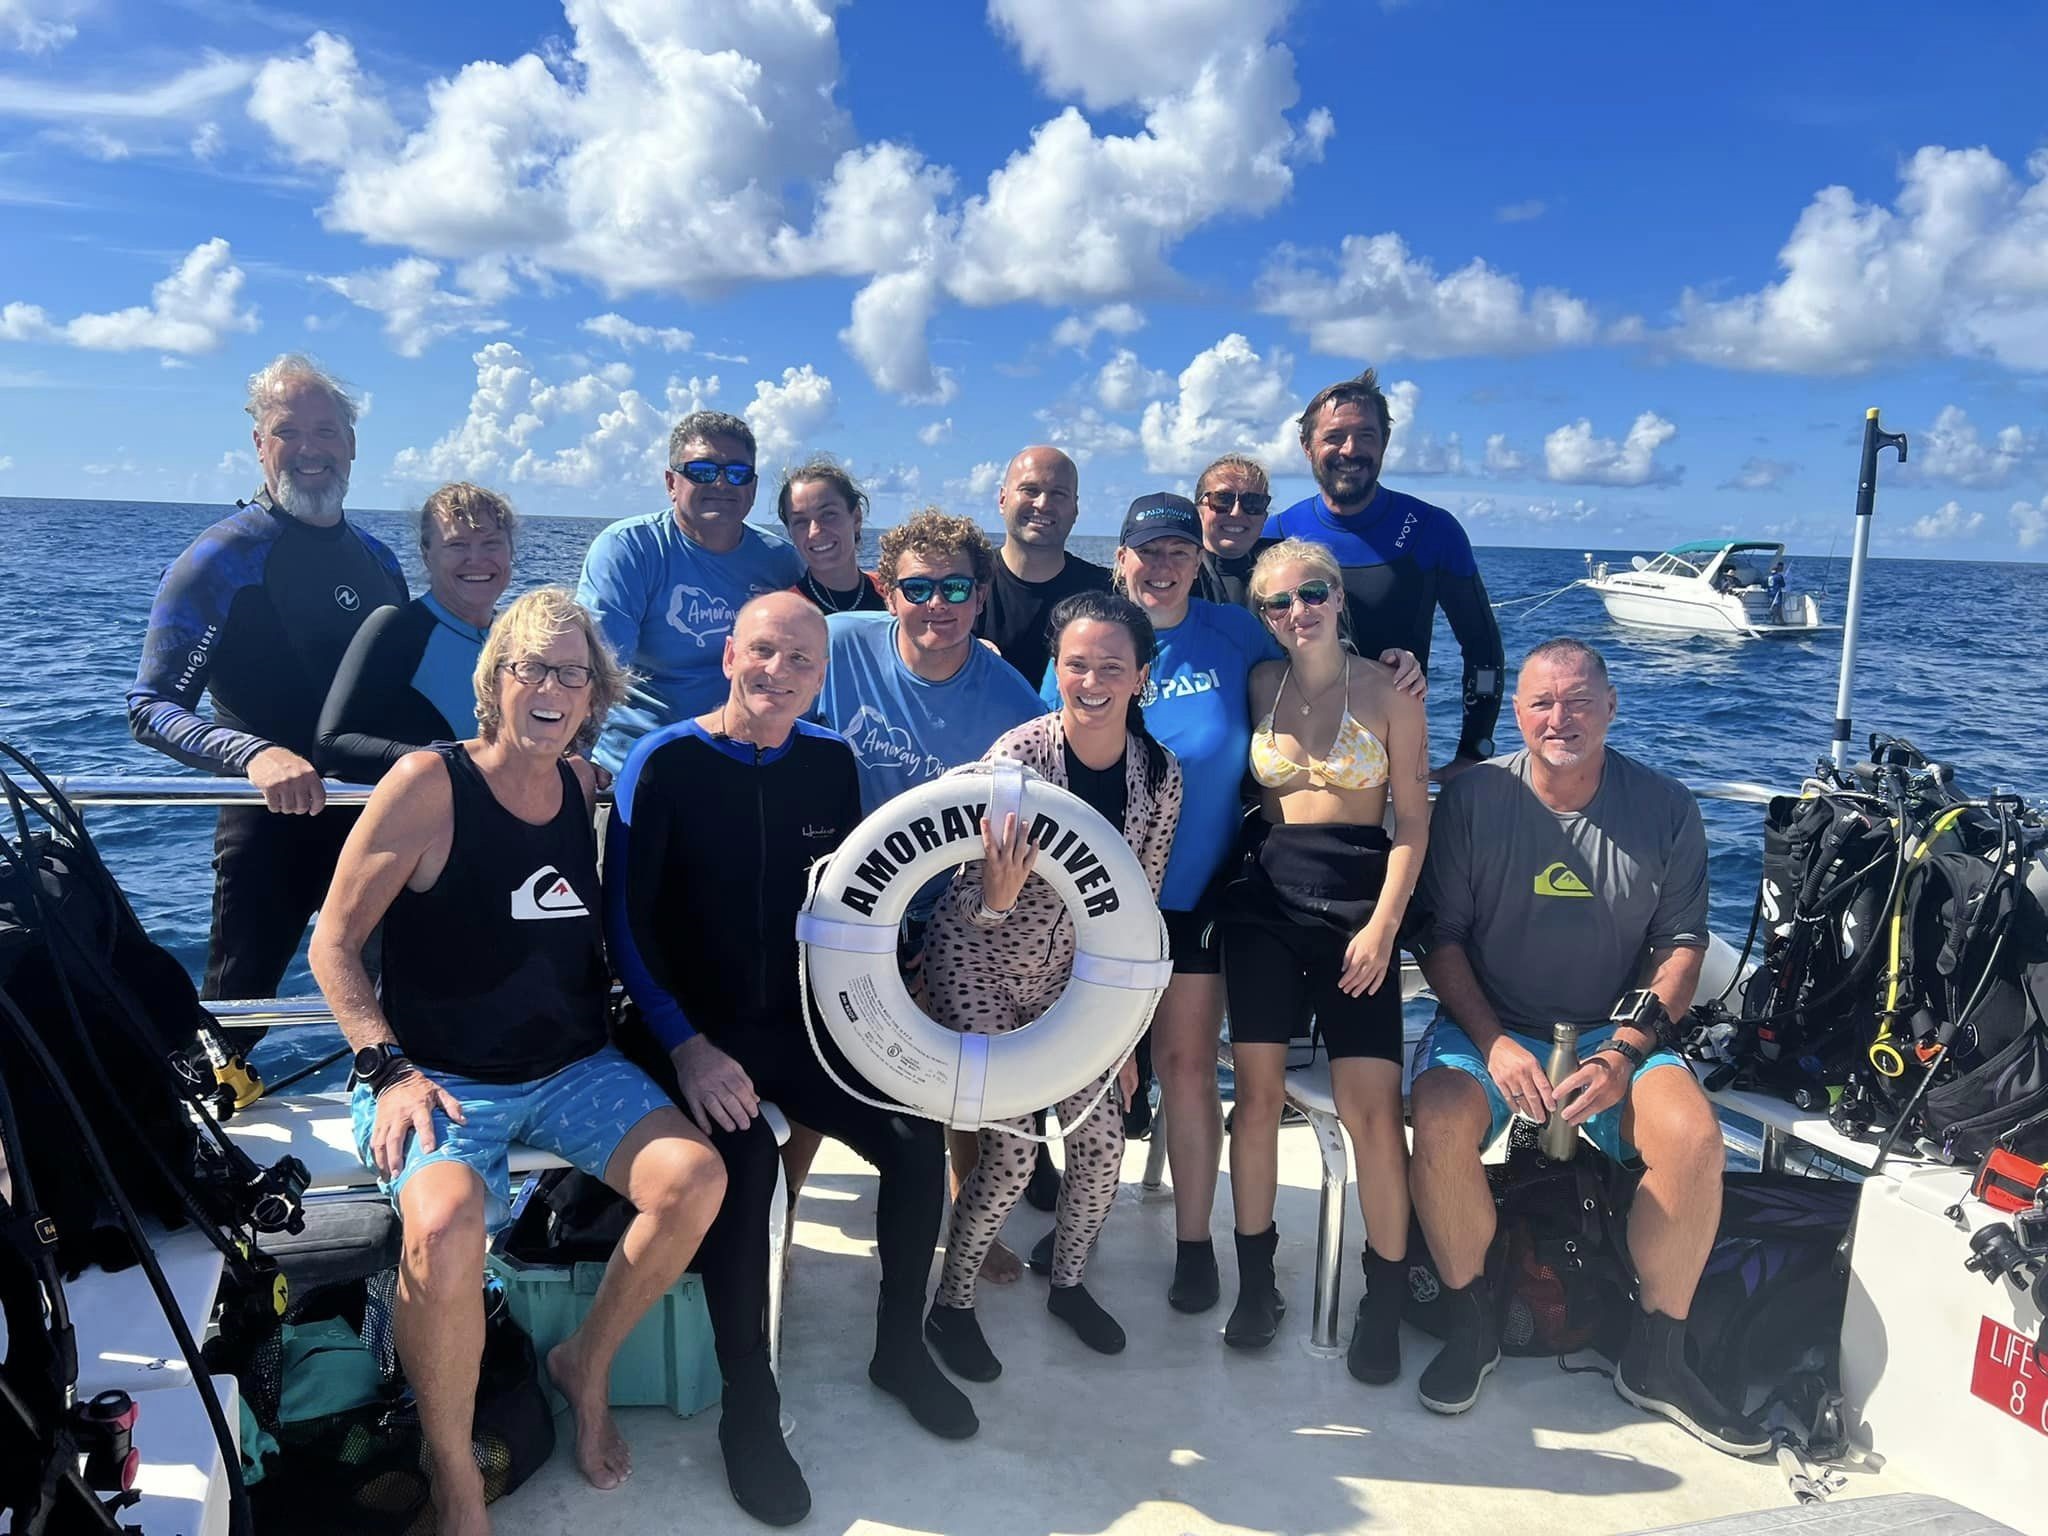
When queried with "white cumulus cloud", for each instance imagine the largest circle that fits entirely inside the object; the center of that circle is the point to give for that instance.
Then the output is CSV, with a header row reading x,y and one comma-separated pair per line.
x,y
1502,458
193,310
1759,474
38,26
1230,399
1410,449
624,333
1952,450
417,311
785,416
320,108
1377,300
2029,522
887,337
1947,521
1107,53
1572,455
1958,265
1086,432
933,433
1124,383
1080,330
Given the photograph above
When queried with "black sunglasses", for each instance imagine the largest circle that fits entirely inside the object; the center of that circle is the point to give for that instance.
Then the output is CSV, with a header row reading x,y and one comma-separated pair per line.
x,y
1314,593
1254,502
705,471
920,589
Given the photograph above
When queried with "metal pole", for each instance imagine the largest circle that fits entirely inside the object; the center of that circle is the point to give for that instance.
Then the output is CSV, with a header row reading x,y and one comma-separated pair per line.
x,y
1875,439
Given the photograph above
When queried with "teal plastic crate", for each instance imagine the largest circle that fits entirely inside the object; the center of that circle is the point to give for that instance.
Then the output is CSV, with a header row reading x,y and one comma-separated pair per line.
x,y
667,1360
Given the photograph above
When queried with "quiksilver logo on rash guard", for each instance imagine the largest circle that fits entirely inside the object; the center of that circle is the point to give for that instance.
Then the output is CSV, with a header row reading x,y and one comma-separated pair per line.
x,y
546,893
1558,880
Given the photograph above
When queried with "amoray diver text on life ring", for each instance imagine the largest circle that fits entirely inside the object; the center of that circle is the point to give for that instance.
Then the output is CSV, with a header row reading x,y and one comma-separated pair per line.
x,y
847,937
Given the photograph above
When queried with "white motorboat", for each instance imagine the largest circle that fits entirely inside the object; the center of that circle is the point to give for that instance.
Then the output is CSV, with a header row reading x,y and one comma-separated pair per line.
x,y
1706,588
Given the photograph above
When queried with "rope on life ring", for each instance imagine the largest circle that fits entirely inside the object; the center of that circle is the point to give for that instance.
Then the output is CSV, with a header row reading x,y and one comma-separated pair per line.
x,y
846,952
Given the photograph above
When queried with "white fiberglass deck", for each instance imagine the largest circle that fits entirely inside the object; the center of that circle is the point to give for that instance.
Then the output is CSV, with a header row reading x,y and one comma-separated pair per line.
x,y
1178,1434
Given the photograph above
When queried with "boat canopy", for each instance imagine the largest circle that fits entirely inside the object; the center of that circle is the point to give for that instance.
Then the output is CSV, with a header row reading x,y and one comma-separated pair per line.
x,y
1716,546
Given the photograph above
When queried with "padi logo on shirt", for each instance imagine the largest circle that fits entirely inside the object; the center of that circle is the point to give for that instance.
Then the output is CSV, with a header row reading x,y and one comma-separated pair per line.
x,y
348,598
1559,880
703,616
1182,685
878,744
544,894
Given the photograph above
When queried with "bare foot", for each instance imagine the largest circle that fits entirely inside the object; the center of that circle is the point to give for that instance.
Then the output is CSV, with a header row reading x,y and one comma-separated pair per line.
x,y
1002,1266
601,1452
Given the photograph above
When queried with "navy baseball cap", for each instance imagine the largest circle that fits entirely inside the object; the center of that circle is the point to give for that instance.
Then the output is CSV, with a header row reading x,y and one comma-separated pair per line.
x,y
1162,515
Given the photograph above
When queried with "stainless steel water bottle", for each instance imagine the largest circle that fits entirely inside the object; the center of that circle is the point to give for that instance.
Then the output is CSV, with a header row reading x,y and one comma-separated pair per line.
x,y
1560,1137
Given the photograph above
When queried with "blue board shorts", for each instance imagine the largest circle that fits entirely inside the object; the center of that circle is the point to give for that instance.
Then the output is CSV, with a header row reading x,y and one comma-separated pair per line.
x,y
580,1114
1444,1044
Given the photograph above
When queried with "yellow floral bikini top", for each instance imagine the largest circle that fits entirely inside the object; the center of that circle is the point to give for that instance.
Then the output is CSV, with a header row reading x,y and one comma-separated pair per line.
x,y
1357,759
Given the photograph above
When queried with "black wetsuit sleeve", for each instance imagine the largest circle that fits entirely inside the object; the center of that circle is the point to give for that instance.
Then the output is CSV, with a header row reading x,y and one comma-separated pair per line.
x,y
1465,604
646,818
373,715
186,622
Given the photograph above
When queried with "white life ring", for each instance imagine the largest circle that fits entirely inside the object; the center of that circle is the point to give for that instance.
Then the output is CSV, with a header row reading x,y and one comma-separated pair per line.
x,y
847,930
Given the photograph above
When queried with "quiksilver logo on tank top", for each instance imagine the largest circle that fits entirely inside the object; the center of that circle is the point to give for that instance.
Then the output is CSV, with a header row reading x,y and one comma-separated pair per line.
x,y
546,893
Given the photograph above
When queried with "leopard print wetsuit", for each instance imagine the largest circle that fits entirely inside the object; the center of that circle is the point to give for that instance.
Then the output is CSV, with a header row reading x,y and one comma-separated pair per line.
x,y
990,978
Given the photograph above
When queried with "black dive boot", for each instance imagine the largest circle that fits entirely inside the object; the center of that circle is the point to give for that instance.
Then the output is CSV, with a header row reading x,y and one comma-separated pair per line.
x,y
904,1368
765,1480
1043,1192
1655,1376
1375,1353
1196,1285
1072,1305
955,1332
1450,1383
1256,1317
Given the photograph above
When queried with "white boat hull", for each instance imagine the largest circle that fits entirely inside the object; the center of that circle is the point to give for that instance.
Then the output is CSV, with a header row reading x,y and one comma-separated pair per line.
x,y
1647,603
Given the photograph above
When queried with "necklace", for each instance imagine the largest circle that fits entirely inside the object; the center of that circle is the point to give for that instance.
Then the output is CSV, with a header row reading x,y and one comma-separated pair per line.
x,y
1322,693
822,594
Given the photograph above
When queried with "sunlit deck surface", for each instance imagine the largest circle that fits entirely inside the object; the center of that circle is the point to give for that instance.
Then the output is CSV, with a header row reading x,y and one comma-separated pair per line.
x,y
1178,1434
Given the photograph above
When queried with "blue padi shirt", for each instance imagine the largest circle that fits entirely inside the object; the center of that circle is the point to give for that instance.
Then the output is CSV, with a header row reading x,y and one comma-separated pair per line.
x,y
903,729
1198,702
665,604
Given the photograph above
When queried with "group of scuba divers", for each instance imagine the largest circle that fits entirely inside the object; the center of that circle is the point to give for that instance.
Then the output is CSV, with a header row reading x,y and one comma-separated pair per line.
x,y
1241,695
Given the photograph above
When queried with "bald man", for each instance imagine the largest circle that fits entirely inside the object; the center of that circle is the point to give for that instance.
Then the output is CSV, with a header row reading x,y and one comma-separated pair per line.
x,y
716,823
1039,500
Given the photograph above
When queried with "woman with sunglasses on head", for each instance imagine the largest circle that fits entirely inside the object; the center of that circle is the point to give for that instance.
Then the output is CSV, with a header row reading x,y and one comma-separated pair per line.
x,y
1309,927
1001,949
823,510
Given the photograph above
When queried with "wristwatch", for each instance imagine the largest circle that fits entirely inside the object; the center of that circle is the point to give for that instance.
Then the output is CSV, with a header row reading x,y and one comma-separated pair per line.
x,y
380,1066
1643,1009
1631,1054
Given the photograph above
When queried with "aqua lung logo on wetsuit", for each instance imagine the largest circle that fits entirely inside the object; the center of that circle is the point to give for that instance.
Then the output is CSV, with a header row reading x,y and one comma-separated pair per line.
x,y
544,894
957,823
347,598
195,659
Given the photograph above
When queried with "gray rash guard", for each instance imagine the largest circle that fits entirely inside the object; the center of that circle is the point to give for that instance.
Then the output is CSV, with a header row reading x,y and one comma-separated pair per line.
x,y
1557,912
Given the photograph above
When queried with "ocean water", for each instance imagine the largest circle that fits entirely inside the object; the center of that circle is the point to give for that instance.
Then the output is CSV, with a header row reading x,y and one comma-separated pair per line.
x,y
1952,657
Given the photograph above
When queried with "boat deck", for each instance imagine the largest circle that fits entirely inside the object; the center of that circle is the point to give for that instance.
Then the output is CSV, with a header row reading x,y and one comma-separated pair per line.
x,y
1177,1435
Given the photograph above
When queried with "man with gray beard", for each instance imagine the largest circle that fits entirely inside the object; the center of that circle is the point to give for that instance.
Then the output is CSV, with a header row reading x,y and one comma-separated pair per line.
x,y
258,612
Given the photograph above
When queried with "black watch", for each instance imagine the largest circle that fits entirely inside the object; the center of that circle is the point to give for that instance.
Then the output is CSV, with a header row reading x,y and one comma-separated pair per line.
x,y
1643,1009
1631,1054
380,1066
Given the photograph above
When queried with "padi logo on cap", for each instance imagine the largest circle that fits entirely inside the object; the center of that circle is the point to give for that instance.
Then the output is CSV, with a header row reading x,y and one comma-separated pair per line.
x,y
544,894
1559,880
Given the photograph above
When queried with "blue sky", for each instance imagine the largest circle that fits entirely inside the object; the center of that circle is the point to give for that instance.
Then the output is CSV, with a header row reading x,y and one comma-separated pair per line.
x,y
1632,273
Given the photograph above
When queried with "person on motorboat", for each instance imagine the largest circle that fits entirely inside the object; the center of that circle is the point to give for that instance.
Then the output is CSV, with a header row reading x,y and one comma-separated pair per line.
x,y
1309,929
716,823
823,510
1774,592
1403,558
1233,495
1039,500
664,587
914,693
1001,949
1560,879
258,612
407,679
1196,703
491,1028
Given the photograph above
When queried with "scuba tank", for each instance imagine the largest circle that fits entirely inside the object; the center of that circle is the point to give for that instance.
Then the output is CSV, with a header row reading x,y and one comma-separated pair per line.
x,y
1560,1140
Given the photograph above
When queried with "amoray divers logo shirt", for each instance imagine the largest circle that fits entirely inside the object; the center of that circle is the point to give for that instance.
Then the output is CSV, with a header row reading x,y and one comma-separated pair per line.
x,y
877,743
546,893
706,617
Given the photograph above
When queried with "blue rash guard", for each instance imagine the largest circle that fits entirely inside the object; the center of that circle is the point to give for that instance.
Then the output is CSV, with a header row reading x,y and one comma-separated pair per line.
x,y
665,604
259,612
1198,703
903,729
1402,559
409,679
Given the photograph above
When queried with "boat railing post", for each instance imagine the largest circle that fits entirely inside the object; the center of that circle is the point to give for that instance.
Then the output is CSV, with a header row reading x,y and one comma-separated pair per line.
x,y
1875,439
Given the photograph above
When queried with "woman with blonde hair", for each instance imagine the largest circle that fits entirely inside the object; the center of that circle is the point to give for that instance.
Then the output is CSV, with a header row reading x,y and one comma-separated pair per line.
x,y
1309,926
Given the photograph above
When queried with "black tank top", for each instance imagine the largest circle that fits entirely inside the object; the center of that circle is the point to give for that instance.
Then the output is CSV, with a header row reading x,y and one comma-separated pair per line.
x,y
497,971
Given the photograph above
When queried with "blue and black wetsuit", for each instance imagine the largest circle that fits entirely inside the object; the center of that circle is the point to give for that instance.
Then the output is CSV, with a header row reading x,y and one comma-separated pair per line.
x,y
258,612
707,855
1403,559
409,679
